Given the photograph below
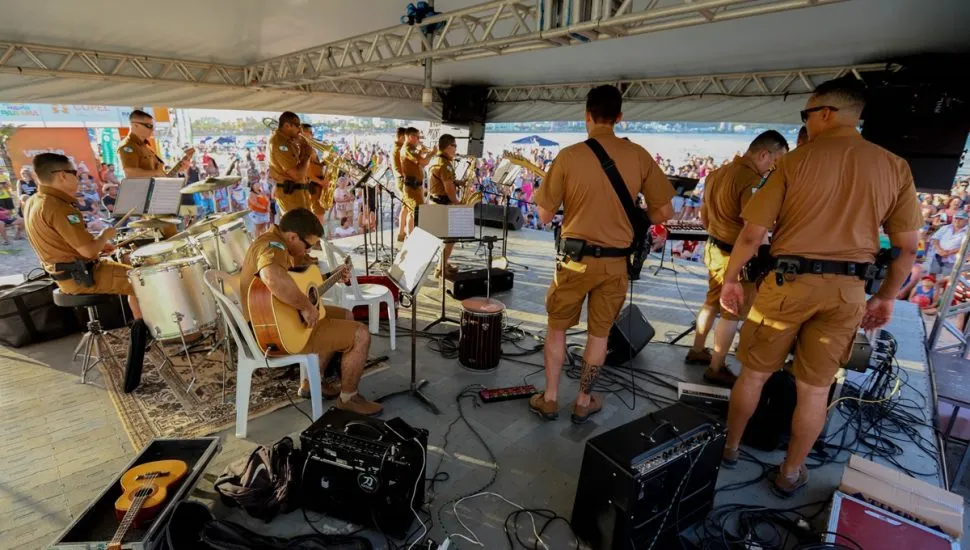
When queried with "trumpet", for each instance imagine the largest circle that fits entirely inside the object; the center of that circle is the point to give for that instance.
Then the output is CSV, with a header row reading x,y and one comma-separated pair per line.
x,y
329,155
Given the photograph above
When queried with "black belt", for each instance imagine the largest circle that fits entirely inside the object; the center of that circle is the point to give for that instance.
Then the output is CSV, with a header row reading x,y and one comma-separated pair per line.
x,y
727,248
291,186
440,199
597,251
413,182
808,266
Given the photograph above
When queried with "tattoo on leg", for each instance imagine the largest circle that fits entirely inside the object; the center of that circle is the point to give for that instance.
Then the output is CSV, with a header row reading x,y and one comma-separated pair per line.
x,y
588,377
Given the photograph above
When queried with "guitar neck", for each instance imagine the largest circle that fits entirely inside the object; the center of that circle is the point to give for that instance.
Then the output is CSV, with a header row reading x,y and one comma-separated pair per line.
x,y
129,518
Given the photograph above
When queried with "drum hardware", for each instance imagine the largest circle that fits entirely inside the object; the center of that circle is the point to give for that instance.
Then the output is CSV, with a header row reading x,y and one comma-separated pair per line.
x,y
211,183
153,223
177,319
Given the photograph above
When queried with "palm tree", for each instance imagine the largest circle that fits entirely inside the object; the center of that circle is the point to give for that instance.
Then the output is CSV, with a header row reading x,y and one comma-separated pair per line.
x,y
6,132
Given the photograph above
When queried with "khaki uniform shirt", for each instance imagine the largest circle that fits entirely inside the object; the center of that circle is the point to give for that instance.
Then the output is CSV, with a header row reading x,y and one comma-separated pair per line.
x,y
726,191
55,227
286,154
396,162
441,170
268,249
592,211
410,163
135,153
828,198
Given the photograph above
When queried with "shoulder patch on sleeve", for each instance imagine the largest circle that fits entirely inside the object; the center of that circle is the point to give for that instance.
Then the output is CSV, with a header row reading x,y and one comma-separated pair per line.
x,y
127,149
275,244
284,148
73,219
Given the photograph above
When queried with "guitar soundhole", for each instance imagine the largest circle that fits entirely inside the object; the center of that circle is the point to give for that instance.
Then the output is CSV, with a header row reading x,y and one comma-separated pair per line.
x,y
313,295
144,492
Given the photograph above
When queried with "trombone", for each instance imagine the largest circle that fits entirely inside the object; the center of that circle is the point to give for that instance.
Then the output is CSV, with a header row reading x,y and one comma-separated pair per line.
x,y
329,155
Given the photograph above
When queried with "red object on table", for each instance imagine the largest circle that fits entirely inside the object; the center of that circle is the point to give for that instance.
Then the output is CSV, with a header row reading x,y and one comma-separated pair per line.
x,y
360,312
873,527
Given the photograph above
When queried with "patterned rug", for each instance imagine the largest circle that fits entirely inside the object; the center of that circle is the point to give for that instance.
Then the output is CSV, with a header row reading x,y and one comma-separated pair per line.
x,y
161,406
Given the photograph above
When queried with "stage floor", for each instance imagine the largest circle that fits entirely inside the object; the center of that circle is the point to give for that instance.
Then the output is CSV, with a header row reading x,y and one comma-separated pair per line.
x,y
62,441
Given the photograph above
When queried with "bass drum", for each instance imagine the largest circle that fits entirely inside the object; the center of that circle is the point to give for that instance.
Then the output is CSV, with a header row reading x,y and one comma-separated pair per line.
x,y
161,252
224,247
173,298
480,334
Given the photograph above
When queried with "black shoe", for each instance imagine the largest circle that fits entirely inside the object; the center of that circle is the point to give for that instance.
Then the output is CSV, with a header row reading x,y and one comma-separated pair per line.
x,y
138,340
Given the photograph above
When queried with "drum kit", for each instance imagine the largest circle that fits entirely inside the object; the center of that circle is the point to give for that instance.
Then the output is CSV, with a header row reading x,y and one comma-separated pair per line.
x,y
167,275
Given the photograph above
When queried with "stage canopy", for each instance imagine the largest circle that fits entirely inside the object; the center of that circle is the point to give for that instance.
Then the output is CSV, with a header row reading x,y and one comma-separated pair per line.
x,y
738,60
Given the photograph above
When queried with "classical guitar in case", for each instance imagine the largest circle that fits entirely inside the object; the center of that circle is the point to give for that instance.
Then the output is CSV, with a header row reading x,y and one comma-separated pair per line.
x,y
145,490
279,328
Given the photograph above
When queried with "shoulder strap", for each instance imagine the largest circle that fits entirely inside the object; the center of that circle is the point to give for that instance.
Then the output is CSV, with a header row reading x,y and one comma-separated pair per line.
x,y
617,181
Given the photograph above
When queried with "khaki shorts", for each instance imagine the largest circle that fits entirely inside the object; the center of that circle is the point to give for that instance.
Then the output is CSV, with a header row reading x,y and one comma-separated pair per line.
x,y
818,314
333,333
717,263
297,199
109,278
604,282
413,196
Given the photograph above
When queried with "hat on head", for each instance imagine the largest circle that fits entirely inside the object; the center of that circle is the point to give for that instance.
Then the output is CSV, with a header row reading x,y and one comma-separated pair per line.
x,y
961,215
929,278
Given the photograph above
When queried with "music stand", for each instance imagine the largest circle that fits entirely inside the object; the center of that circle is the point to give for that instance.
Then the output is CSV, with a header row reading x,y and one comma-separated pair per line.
x,y
149,196
451,224
506,178
408,272
683,187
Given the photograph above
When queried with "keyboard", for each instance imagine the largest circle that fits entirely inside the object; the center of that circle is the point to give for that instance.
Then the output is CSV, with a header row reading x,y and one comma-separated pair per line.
x,y
685,231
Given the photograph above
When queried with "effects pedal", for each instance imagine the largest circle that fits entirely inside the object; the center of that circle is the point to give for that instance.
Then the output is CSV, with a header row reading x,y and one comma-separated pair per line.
x,y
494,395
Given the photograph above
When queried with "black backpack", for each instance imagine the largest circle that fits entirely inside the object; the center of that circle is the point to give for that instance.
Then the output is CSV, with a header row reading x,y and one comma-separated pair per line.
x,y
265,484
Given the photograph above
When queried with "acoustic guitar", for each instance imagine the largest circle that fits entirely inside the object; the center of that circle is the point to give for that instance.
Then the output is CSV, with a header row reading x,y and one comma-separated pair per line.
x,y
145,490
519,160
279,328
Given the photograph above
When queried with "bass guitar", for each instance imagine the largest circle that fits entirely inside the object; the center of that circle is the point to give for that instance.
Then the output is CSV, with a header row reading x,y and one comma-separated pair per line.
x,y
279,328
145,490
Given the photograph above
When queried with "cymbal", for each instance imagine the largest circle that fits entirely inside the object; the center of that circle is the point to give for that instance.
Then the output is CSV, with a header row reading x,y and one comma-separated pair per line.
x,y
210,184
154,223
141,234
180,236
215,220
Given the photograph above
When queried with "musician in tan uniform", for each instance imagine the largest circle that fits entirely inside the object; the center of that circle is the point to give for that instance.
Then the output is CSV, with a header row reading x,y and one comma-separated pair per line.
x,y
826,201
593,213
269,257
399,180
316,176
289,161
726,191
442,188
72,256
138,160
802,138
413,161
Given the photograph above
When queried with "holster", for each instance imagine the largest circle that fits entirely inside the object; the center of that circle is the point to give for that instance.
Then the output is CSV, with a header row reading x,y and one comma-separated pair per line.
x,y
81,272
759,266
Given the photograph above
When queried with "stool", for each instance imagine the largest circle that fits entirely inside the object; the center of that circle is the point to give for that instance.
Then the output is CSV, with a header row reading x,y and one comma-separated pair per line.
x,y
93,343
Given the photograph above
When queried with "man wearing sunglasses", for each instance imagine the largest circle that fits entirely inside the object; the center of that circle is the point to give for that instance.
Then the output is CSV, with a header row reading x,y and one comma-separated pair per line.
x,y
138,160
289,163
269,257
57,233
826,201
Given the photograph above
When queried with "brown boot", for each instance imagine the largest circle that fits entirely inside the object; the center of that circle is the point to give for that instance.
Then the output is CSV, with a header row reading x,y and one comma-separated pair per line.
x,y
548,410
581,414
786,488
360,405
331,388
720,376
698,357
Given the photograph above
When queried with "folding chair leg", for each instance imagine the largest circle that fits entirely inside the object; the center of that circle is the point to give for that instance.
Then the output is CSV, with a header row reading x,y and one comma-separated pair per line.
x,y
244,380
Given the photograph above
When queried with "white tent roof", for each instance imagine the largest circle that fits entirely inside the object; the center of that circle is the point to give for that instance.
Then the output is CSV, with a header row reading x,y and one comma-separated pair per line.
x,y
237,33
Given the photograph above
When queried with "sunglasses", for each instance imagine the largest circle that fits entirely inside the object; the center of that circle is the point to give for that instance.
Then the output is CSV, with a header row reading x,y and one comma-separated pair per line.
x,y
145,124
811,110
66,171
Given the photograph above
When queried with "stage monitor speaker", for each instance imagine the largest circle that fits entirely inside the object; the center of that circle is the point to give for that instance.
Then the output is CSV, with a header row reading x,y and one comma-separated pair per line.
x,y
492,215
923,118
465,104
629,335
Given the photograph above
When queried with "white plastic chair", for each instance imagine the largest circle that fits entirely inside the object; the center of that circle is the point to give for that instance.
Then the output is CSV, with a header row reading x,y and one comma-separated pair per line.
x,y
367,294
250,357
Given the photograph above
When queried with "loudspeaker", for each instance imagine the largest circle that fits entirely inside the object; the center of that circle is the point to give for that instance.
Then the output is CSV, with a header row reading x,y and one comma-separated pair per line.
x,y
464,104
630,333
921,116
490,215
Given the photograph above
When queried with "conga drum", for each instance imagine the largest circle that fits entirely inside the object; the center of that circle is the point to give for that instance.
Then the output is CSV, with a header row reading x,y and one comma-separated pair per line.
x,y
480,334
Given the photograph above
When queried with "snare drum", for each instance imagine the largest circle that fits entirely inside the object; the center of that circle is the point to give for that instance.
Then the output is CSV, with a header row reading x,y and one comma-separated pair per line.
x,y
233,242
173,298
161,252
480,334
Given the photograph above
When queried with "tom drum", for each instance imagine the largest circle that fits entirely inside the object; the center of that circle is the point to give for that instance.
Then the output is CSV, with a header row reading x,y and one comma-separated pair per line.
x,y
224,247
161,252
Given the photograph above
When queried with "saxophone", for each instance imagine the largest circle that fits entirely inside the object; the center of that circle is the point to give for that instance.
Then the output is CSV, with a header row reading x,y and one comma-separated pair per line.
x,y
326,198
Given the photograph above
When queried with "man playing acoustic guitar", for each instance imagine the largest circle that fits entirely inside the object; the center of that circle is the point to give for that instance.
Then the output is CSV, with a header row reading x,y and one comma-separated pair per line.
x,y
270,257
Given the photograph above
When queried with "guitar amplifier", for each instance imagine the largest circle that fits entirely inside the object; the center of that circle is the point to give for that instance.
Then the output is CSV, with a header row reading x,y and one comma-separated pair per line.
x,y
467,284
643,482
364,470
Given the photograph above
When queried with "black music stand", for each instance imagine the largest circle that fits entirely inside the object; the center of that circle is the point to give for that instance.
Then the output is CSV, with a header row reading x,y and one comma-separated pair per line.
x,y
443,318
683,187
408,272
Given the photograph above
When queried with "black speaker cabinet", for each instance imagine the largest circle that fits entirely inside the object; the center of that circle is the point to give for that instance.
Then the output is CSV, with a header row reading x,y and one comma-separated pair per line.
x,y
491,215
628,336
464,104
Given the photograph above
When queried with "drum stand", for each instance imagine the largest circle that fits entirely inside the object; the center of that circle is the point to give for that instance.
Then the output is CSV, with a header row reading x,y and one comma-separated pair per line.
x,y
224,326
414,388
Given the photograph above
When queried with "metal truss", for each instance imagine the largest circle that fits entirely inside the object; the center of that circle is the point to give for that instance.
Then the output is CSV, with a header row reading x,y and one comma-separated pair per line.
x,y
53,61
502,27
754,84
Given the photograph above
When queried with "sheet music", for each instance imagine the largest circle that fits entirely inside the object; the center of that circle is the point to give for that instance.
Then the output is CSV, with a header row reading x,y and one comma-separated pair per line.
x,y
461,221
165,197
411,265
132,193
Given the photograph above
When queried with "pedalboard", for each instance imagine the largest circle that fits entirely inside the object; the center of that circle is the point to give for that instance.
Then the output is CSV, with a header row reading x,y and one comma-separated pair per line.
x,y
494,395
